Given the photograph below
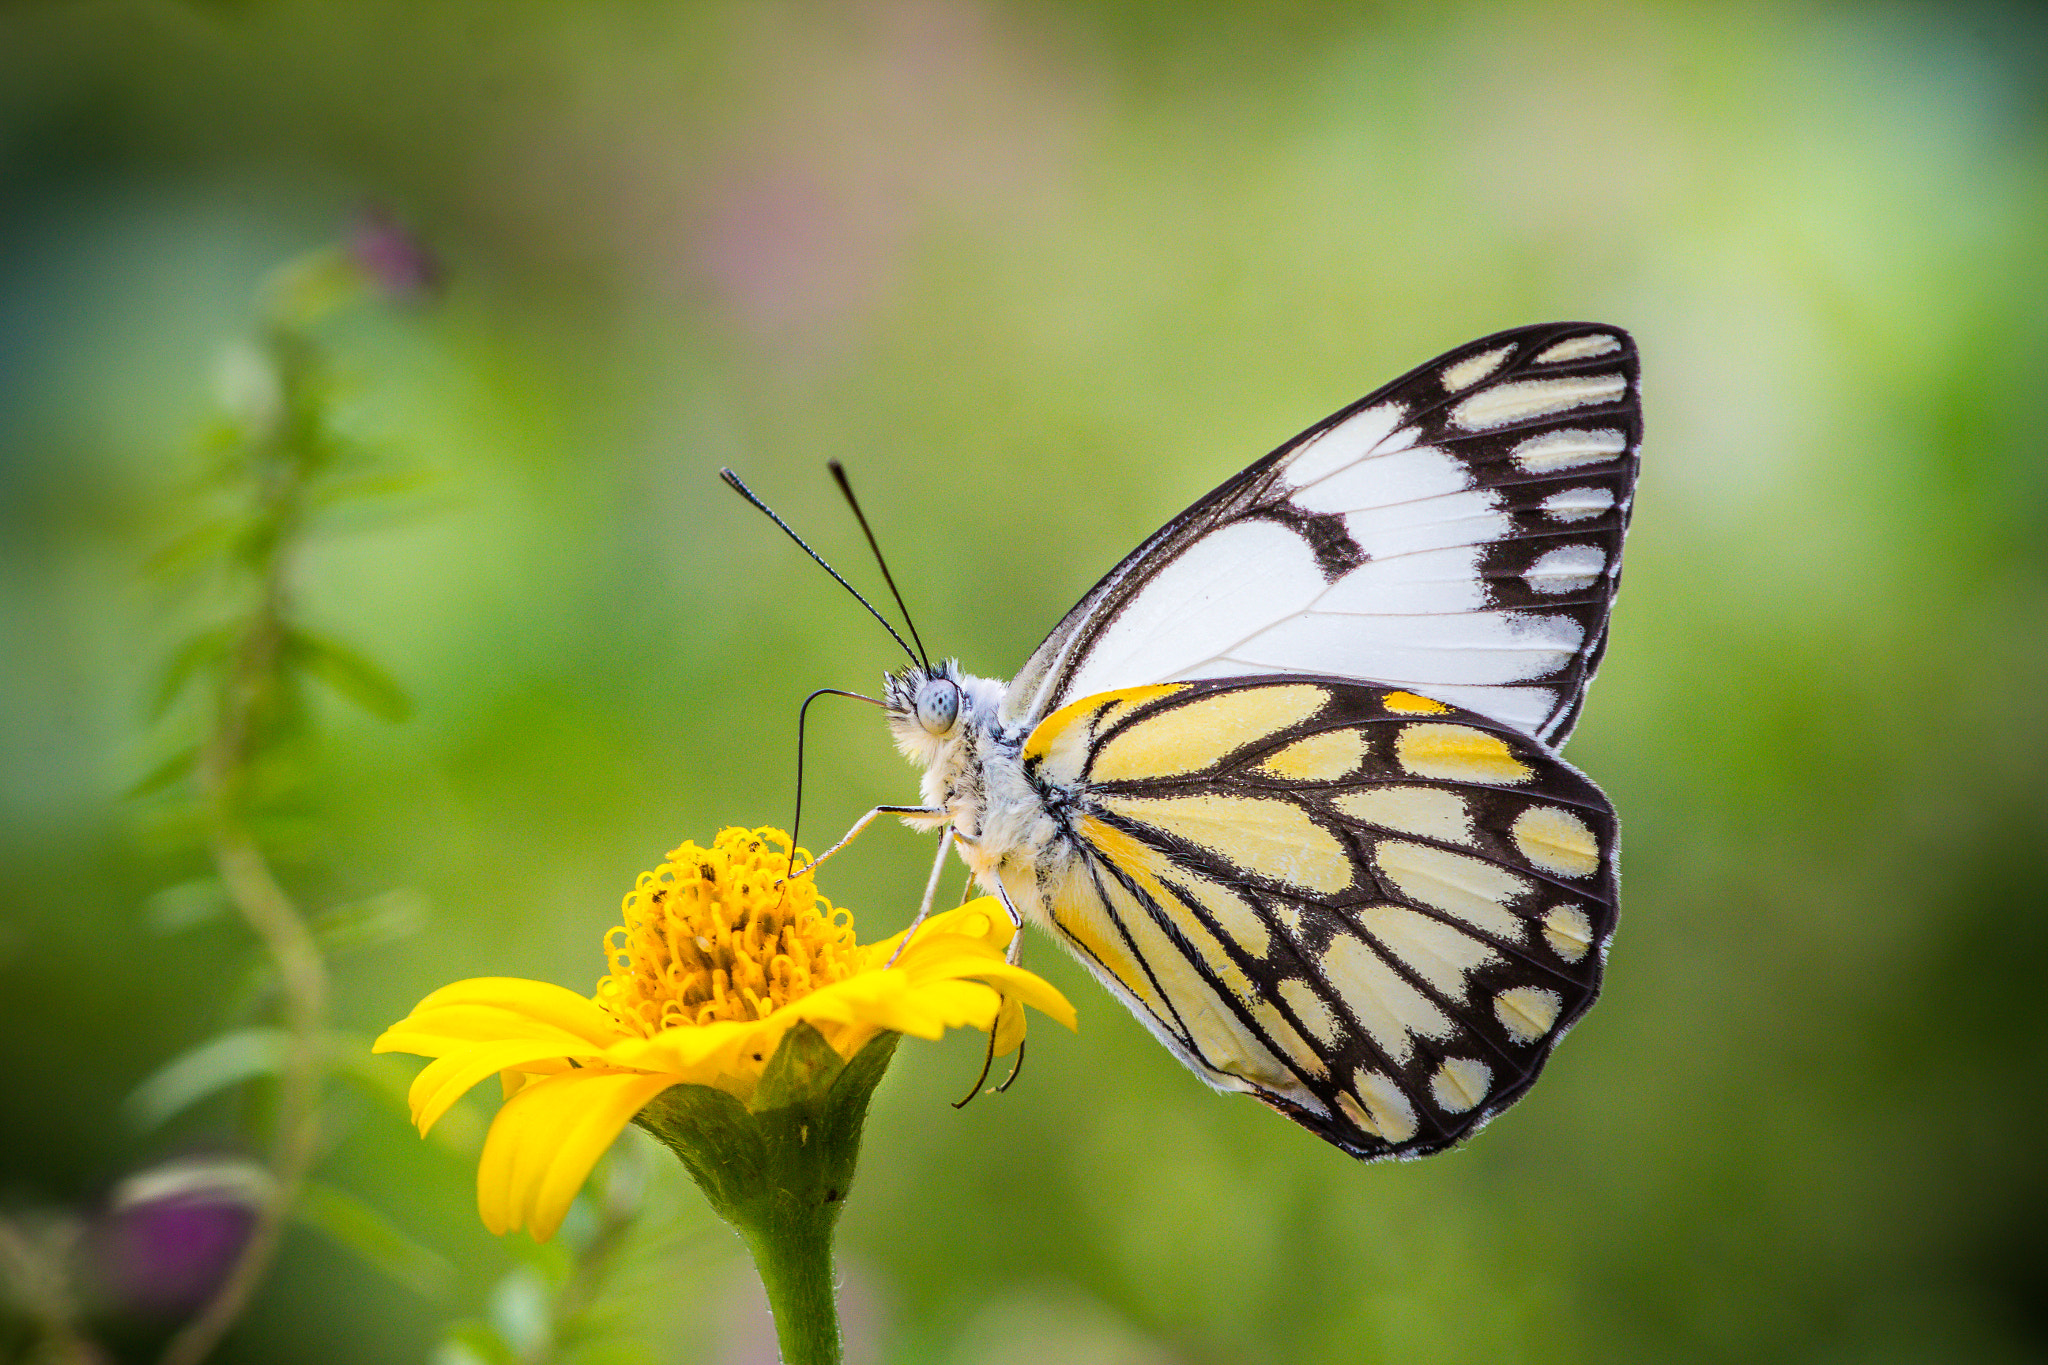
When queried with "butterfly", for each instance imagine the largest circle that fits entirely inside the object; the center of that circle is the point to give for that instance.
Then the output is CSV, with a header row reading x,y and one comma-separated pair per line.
x,y
1286,780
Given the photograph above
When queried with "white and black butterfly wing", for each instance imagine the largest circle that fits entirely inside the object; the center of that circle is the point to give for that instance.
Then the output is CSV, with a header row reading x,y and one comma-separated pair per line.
x,y
1457,532
1374,911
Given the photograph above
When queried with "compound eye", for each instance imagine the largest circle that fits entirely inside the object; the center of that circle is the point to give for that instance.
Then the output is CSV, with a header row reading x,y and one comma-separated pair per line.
x,y
938,706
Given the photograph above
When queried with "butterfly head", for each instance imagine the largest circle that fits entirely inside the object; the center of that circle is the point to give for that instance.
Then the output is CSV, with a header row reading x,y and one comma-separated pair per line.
x,y
930,709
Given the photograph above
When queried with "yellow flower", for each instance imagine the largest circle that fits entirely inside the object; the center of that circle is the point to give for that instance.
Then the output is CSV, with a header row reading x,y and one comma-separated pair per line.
x,y
714,966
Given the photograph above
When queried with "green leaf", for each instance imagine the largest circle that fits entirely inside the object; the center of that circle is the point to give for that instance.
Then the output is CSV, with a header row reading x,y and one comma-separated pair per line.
x,y
219,1062
201,651
165,774
473,1342
185,906
207,543
378,922
350,673
359,1227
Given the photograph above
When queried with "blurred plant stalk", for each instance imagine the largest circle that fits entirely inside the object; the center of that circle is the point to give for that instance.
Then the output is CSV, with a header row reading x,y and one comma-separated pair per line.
x,y
282,447
34,1265
246,693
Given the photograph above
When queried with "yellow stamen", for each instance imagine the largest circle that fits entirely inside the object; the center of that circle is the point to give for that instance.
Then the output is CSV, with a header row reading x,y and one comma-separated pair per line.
x,y
714,935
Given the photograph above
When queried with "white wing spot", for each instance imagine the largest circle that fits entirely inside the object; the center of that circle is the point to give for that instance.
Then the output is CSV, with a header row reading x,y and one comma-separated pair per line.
x,y
1427,583
1555,840
1467,889
1470,371
1527,1012
1522,399
1430,812
1315,1016
1349,441
1436,952
1578,348
1568,932
1391,1112
1459,1084
1578,504
1410,650
1568,449
1568,568
1382,1000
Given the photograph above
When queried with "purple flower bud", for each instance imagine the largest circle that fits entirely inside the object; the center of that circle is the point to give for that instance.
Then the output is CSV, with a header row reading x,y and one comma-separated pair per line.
x,y
171,1233
395,260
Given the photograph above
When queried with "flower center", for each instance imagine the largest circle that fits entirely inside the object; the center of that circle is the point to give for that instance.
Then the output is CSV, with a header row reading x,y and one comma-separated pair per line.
x,y
709,936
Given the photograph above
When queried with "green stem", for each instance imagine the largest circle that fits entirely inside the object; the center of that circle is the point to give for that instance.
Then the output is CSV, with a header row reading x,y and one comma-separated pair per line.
x,y
794,1256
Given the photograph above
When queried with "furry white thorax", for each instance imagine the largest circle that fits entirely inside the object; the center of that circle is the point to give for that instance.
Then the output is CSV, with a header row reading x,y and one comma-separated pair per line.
x,y
975,774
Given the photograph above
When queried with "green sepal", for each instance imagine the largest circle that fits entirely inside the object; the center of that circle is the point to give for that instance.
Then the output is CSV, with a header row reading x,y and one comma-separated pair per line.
x,y
791,1154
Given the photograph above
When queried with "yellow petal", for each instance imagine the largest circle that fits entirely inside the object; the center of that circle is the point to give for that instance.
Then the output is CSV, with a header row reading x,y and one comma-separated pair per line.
x,y
492,1002
1009,1026
436,1089
545,1140
930,1010
1032,990
983,920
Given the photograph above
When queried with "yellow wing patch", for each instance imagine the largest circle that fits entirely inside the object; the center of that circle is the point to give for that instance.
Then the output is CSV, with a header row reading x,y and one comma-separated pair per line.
x,y
1459,753
1232,913
1527,1012
1198,734
1338,898
1210,1028
1080,914
1267,837
1408,704
1326,757
1436,952
1060,742
1459,1084
1392,1116
1381,998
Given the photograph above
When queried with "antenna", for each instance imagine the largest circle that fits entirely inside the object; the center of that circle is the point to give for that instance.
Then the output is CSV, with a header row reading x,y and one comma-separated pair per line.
x,y
839,473
796,825
733,481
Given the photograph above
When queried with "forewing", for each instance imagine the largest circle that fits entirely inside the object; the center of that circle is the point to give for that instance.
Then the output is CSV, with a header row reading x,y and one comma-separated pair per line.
x,y
1373,910
1457,532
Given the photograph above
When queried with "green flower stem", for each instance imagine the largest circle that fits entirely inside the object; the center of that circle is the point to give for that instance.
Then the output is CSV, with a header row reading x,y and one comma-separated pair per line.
x,y
794,1258
779,1168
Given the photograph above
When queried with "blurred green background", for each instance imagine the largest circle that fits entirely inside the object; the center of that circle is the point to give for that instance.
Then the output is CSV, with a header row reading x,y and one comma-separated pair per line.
x,y
1041,274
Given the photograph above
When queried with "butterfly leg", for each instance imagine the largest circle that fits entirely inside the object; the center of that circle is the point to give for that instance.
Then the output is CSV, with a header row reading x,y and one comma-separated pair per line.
x,y
931,889
1016,948
858,826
